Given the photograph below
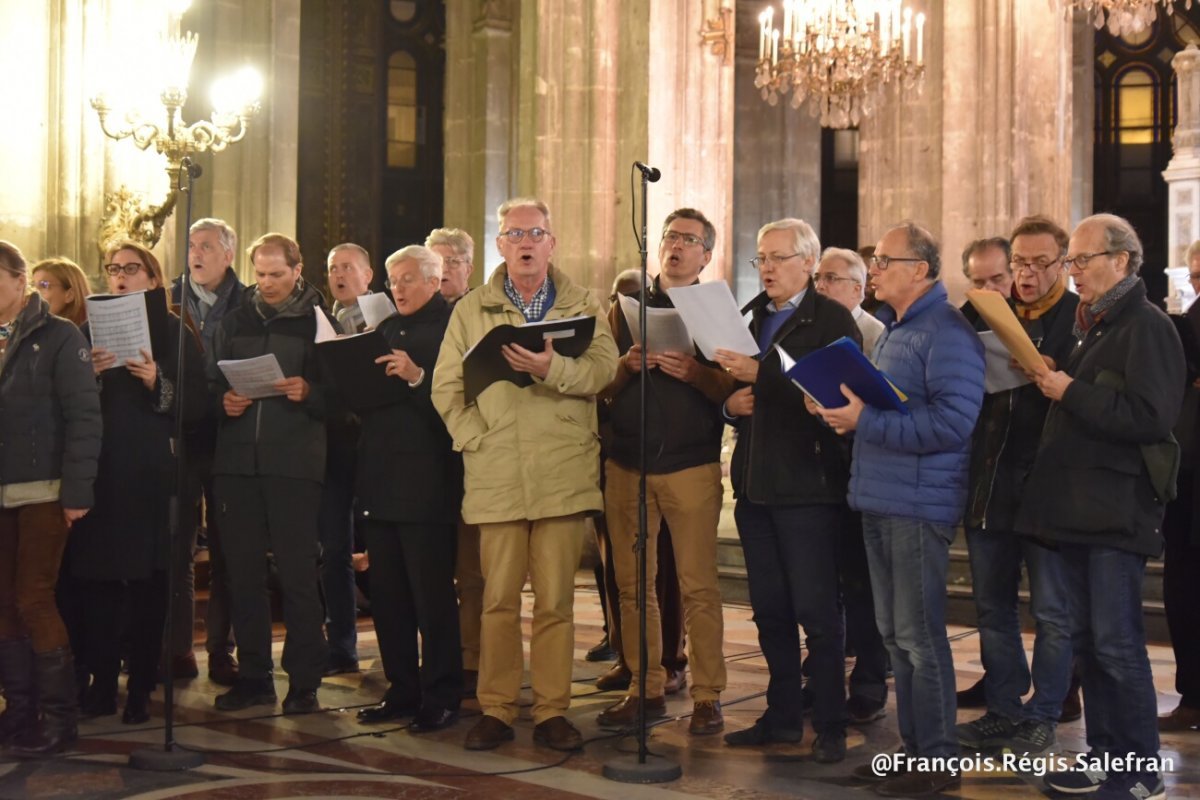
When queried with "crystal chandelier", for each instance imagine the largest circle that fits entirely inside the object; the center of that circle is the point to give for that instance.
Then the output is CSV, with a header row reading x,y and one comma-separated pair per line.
x,y
1123,16
839,55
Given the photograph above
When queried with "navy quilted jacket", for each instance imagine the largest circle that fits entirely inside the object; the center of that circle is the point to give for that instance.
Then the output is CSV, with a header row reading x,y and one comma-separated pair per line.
x,y
915,466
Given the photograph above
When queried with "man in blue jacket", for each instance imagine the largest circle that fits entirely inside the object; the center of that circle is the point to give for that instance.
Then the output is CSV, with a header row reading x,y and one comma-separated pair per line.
x,y
909,479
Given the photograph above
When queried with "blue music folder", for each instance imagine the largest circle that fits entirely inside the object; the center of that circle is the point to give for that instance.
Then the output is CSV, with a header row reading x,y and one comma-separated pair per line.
x,y
821,373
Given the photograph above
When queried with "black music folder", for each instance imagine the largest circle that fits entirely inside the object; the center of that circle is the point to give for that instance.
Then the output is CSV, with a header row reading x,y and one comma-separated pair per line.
x,y
484,364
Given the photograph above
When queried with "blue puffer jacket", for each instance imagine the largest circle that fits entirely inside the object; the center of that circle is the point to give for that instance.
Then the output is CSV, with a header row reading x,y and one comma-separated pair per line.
x,y
915,466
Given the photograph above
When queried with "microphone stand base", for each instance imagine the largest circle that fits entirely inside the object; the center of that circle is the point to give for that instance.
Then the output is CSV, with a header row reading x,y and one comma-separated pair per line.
x,y
628,769
158,759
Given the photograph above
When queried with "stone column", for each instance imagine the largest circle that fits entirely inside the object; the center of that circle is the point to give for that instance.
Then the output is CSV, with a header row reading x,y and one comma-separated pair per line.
x,y
1183,172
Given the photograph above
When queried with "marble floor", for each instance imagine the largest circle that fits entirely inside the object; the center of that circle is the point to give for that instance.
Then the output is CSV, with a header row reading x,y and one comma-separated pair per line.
x,y
252,754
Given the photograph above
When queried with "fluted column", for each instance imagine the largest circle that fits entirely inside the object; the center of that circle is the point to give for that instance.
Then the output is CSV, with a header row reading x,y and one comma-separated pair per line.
x,y
1183,172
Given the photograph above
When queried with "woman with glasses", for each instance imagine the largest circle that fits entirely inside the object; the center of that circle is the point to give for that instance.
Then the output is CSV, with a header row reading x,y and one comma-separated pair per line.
x,y
50,427
117,558
63,286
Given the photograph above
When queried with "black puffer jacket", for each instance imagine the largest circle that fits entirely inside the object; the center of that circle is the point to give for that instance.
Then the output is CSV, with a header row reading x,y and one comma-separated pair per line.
x,y
1089,483
1006,436
274,436
50,425
407,468
784,455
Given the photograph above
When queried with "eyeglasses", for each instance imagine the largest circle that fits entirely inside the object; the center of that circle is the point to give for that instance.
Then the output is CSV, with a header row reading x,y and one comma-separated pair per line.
x,y
129,269
760,261
515,235
829,277
457,262
687,239
44,285
407,280
1082,260
1040,265
881,263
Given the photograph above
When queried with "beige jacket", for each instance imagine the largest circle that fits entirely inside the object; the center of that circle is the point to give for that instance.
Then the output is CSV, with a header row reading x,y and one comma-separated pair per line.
x,y
528,453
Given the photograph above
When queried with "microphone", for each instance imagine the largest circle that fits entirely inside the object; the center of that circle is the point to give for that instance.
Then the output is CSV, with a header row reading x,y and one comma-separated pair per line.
x,y
651,173
193,169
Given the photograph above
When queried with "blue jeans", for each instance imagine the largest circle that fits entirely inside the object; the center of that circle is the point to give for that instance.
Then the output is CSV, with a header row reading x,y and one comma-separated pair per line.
x,y
335,524
791,566
996,558
1104,587
908,560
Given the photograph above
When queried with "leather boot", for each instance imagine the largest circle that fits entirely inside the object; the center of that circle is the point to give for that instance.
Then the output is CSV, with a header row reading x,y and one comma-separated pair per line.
x,y
16,676
55,672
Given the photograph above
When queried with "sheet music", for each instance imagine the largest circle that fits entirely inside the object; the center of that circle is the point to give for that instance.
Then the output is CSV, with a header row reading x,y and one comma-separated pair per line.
x,y
712,317
1000,375
376,308
325,331
120,325
666,332
253,377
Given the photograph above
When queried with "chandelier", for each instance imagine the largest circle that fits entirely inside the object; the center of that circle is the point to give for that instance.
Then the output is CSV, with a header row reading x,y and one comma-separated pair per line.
x,y
839,55
1123,16
147,94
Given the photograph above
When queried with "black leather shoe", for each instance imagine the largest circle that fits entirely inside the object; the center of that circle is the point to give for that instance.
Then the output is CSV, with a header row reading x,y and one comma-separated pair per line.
x,y
429,720
386,711
761,733
137,709
301,701
247,692
341,667
602,651
973,696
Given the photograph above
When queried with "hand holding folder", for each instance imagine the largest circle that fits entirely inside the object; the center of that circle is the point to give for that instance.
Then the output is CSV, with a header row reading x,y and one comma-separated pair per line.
x,y
485,364
821,373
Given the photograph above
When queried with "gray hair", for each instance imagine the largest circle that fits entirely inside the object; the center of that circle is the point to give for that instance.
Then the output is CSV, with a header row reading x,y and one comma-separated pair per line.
x,y
357,248
522,202
923,246
455,238
804,238
429,261
980,245
858,270
226,235
1192,251
710,233
630,279
1119,237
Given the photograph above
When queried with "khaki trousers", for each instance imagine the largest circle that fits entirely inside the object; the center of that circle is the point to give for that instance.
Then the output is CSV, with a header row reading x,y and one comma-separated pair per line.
x,y
548,552
690,501
468,583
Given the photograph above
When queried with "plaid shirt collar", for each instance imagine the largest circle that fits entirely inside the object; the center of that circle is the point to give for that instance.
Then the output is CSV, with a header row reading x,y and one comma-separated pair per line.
x,y
535,309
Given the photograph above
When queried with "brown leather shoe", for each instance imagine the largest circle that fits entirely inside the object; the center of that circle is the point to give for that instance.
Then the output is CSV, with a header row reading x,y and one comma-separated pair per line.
x,y
183,668
1181,719
676,681
706,718
616,679
919,784
624,714
1072,708
489,733
222,669
557,734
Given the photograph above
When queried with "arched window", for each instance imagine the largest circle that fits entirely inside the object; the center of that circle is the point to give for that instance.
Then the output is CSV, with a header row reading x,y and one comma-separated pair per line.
x,y
402,110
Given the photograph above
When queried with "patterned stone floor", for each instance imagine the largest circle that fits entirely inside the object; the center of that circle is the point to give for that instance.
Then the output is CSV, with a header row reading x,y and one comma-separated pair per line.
x,y
251,755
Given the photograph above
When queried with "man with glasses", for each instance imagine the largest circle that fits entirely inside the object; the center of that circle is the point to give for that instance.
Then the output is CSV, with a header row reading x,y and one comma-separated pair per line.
x,y
842,276
789,476
683,487
1097,491
909,480
532,462
1004,445
456,248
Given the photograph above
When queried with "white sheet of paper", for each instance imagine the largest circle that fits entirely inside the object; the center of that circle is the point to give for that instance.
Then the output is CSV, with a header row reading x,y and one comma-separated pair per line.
x,y
665,331
712,317
120,326
325,331
376,308
1000,375
253,377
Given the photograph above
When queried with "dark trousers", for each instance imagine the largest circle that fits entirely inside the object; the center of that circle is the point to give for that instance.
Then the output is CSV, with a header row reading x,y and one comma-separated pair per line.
x,y
218,626
336,530
1181,593
868,679
115,613
791,566
32,540
412,591
261,514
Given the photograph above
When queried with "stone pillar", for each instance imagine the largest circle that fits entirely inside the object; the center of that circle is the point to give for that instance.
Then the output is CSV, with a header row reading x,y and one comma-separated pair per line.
x,y
1183,172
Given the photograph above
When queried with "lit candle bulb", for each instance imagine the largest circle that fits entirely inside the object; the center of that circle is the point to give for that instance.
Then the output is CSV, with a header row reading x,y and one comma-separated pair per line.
x,y
906,29
774,48
762,36
920,39
787,20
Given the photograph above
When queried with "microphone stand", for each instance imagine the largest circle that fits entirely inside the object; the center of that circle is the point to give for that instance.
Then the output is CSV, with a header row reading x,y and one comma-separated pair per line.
x,y
628,768
171,758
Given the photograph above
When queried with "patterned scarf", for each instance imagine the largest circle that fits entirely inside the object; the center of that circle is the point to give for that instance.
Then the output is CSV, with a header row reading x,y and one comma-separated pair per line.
x,y
268,311
1086,316
1031,311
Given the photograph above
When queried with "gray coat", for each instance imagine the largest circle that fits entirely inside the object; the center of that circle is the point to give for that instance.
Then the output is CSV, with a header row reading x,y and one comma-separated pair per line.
x,y
50,424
